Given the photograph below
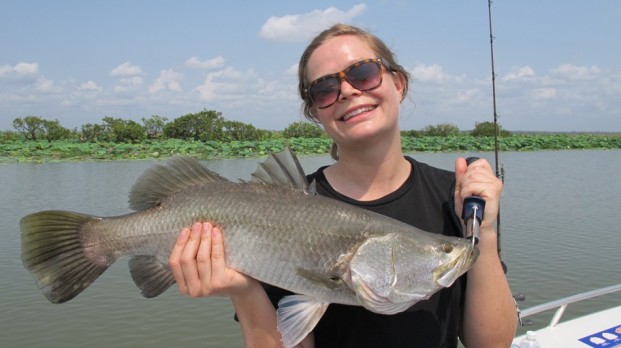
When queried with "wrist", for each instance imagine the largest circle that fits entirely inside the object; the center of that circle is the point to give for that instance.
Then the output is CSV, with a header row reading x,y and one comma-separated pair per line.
x,y
251,288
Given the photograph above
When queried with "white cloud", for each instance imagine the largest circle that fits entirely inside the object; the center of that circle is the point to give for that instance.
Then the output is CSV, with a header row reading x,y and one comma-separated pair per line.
x,y
128,84
293,70
126,70
573,72
19,70
222,84
208,64
46,86
89,86
301,27
427,72
168,80
519,73
433,73
468,95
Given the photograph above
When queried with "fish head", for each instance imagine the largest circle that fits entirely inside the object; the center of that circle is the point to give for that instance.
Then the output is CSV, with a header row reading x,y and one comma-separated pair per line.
x,y
392,272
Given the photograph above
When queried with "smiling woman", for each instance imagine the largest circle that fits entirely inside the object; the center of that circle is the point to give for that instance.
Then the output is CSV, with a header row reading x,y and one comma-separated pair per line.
x,y
351,84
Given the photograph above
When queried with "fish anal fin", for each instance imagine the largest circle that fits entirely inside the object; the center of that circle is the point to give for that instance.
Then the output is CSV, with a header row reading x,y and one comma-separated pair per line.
x,y
150,275
330,282
160,181
297,317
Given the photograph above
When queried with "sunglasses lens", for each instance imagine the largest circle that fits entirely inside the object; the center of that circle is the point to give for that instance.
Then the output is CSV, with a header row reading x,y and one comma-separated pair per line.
x,y
362,76
365,76
325,92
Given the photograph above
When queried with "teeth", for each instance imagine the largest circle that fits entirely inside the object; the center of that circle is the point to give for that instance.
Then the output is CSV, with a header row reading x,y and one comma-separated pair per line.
x,y
349,115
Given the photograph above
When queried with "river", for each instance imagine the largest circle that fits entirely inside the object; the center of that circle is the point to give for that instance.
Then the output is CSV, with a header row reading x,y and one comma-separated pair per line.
x,y
560,236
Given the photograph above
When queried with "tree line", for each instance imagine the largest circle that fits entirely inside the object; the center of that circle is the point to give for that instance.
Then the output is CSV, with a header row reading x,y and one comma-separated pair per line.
x,y
206,125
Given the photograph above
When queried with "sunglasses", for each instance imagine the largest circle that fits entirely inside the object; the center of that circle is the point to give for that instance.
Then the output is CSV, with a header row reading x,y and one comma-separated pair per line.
x,y
364,75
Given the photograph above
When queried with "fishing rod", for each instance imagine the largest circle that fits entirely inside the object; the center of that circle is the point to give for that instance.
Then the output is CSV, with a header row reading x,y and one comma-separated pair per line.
x,y
499,170
474,206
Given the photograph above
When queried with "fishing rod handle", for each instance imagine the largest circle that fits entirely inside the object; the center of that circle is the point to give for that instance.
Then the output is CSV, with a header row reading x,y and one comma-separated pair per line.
x,y
474,206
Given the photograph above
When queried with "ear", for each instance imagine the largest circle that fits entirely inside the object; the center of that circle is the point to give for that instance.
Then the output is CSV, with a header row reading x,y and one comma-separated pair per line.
x,y
399,81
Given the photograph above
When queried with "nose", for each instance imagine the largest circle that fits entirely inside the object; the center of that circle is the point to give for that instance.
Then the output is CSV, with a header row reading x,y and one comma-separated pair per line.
x,y
347,89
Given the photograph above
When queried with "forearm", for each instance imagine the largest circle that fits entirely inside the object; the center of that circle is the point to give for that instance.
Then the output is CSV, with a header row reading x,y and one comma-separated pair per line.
x,y
257,318
489,316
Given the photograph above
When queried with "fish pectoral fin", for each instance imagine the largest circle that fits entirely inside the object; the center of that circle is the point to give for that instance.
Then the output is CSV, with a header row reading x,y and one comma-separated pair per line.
x,y
150,275
327,281
297,317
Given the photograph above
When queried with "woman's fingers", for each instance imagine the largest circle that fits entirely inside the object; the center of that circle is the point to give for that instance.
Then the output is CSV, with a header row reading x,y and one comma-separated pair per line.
x,y
198,263
203,259
218,266
174,260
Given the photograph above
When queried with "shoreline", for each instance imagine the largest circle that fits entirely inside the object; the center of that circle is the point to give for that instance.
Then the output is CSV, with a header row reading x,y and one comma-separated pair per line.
x,y
21,151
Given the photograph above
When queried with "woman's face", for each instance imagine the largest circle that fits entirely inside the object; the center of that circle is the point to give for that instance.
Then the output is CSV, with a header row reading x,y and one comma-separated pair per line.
x,y
355,116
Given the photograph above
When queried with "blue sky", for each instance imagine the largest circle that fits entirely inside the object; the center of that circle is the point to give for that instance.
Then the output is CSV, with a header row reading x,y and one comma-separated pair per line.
x,y
558,62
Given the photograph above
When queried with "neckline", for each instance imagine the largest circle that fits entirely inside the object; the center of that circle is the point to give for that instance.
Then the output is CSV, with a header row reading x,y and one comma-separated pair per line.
x,y
390,197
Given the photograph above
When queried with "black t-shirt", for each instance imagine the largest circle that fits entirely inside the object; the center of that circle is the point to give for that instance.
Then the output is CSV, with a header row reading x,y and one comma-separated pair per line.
x,y
424,201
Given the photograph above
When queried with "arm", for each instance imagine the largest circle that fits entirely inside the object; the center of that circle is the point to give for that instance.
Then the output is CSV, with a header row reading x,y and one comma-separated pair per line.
x,y
489,317
197,263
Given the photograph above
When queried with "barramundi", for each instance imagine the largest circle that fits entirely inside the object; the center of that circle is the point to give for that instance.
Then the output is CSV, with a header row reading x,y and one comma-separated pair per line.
x,y
276,229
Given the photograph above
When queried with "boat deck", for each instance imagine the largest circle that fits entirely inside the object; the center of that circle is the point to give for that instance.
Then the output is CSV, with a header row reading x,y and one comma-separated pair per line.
x,y
600,329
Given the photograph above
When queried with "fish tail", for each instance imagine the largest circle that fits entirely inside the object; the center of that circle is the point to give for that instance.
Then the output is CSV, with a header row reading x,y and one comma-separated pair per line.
x,y
53,251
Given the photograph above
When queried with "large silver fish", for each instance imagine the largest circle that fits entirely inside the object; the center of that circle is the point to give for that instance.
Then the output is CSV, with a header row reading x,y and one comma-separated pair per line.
x,y
275,230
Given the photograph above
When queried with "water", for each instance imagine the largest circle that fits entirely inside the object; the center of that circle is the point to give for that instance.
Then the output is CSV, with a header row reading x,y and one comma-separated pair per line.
x,y
560,236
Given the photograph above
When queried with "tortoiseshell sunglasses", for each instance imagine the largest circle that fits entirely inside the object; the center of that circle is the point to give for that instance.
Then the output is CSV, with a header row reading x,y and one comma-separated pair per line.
x,y
364,75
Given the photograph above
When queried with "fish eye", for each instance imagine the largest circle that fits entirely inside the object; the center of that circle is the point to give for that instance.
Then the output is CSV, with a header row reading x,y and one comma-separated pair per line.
x,y
447,248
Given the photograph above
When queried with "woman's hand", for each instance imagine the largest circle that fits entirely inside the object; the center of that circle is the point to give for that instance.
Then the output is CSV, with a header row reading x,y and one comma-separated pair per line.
x,y
197,263
478,179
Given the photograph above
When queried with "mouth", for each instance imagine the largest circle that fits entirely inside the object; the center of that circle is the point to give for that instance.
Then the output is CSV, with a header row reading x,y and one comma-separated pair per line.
x,y
353,113
451,271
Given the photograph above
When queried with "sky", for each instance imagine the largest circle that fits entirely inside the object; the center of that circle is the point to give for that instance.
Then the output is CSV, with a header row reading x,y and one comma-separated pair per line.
x,y
557,62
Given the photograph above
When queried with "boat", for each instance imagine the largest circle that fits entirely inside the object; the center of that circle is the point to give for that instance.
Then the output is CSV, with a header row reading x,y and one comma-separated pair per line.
x,y
597,329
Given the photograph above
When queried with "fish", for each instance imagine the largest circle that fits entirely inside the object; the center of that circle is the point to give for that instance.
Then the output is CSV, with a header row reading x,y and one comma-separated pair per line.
x,y
275,228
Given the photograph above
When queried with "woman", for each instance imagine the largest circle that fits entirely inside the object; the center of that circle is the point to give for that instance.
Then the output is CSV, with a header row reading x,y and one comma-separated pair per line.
x,y
352,85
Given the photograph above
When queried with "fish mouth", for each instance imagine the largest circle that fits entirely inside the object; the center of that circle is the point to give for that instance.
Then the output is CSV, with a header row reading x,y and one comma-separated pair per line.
x,y
449,272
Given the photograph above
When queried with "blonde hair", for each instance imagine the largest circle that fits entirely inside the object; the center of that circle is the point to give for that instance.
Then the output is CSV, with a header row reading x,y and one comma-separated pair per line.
x,y
377,46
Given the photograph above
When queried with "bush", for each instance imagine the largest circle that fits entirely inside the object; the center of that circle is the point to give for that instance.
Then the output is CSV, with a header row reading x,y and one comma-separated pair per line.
x,y
37,128
303,129
8,136
205,125
154,126
124,131
235,130
31,127
441,130
487,129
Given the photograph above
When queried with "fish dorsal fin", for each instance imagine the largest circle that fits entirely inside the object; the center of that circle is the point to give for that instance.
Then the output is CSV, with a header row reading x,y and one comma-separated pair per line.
x,y
281,169
160,181
297,317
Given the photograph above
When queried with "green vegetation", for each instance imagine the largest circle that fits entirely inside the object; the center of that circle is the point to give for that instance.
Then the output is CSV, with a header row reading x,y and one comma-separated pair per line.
x,y
207,134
